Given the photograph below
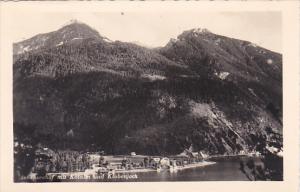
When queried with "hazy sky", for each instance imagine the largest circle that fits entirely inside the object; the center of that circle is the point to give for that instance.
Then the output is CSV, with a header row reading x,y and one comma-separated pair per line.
x,y
156,28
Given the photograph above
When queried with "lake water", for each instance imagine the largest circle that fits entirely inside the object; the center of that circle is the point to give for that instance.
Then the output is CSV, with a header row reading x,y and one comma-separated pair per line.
x,y
227,170
222,170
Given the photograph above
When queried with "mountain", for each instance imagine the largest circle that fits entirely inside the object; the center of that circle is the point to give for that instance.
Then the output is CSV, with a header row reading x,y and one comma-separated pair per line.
x,y
219,54
248,66
213,92
73,32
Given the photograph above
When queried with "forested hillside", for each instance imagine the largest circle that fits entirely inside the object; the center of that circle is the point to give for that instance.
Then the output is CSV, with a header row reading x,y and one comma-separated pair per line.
x,y
213,92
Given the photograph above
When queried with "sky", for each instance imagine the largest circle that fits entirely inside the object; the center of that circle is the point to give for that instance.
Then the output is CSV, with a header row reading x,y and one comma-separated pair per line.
x,y
154,29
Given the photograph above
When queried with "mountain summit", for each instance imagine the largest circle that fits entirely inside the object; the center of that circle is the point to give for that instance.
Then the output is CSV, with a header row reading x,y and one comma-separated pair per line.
x,y
72,31
212,54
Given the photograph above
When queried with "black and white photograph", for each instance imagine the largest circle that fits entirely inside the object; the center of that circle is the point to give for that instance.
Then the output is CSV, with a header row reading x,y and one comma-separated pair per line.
x,y
93,108
147,96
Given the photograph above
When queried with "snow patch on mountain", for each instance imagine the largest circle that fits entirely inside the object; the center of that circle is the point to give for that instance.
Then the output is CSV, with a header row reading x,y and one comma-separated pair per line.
x,y
27,48
269,61
76,38
201,30
153,77
60,43
24,49
173,40
252,44
217,41
252,92
107,40
222,75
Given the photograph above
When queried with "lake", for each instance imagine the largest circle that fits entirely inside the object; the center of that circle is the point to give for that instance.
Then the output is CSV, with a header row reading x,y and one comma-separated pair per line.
x,y
222,170
225,170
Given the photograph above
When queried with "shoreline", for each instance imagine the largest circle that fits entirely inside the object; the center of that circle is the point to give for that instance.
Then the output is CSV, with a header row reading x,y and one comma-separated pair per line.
x,y
144,170
189,166
195,165
92,172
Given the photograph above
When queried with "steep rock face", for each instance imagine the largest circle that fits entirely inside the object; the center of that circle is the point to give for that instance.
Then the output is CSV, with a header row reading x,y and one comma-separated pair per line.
x,y
202,89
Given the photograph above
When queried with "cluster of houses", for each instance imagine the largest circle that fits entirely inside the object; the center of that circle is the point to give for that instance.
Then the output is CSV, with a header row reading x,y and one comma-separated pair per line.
x,y
138,162
48,162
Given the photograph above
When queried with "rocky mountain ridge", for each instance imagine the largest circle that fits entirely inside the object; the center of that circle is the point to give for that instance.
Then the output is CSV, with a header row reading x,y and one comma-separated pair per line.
x,y
213,92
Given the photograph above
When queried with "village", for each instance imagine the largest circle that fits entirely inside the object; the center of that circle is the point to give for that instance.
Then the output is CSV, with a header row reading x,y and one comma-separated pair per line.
x,y
42,164
59,165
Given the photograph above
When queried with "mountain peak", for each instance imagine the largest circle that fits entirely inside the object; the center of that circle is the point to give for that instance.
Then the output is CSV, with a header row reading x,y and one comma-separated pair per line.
x,y
73,30
200,30
76,29
195,32
72,21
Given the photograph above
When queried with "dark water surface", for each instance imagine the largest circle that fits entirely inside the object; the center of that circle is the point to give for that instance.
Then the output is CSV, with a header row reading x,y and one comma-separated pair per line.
x,y
222,170
227,170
